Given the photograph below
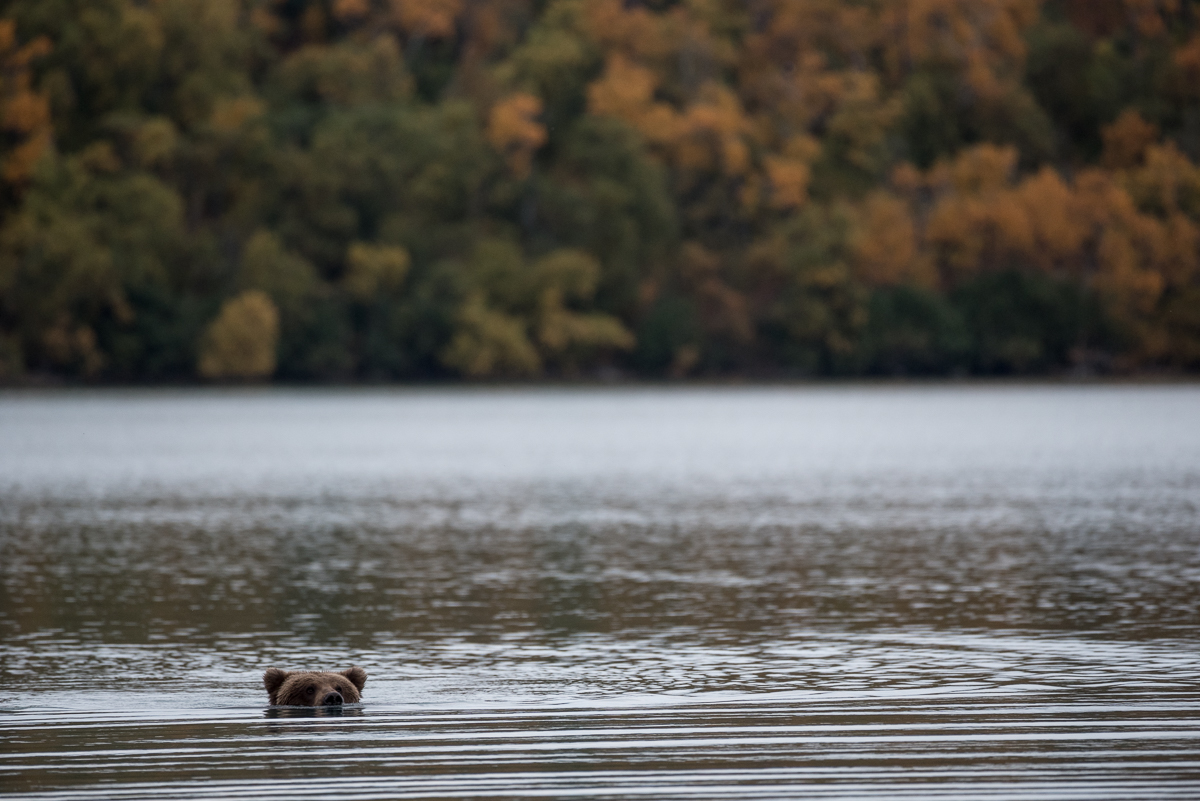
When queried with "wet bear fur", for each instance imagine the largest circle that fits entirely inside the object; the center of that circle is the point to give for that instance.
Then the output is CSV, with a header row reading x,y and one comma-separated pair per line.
x,y
314,688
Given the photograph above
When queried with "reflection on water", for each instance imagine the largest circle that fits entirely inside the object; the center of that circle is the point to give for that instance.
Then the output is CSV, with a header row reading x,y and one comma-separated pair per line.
x,y
843,592
313,712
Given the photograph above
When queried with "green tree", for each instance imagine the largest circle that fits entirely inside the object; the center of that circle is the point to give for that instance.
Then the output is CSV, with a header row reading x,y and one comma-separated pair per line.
x,y
518,316
89,240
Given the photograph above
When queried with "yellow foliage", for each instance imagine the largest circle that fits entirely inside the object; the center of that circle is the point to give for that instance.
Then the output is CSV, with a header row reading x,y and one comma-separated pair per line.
x,y
241,341
560,329
269,266
100,157
521,318
374,269
155,141
489,343
229,114
569,274
514,131
573,273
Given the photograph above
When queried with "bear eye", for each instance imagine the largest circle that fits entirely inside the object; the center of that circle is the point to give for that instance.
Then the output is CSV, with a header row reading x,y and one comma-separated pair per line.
x,y
311,690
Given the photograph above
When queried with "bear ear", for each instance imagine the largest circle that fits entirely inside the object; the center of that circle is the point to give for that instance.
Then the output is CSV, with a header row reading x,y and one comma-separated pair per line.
x,y
357,677
273,679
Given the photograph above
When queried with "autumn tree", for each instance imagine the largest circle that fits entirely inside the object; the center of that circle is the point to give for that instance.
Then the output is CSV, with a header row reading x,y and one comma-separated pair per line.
x,y
241,341
491,188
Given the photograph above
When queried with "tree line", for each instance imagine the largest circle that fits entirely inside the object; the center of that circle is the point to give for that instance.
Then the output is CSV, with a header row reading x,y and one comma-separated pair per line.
x,y
417,189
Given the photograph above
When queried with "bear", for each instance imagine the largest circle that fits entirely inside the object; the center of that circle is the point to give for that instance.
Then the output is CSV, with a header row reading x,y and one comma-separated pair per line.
x,y
314,688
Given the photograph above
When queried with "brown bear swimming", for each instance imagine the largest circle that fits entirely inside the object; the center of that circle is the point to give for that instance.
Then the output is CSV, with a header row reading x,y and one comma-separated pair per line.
x,y
314,688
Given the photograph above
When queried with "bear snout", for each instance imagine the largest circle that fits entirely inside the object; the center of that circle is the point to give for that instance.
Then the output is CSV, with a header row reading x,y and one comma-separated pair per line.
x,y
332,699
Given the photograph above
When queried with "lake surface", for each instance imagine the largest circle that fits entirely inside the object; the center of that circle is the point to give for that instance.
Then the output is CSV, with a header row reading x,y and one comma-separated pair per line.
x,y
968,592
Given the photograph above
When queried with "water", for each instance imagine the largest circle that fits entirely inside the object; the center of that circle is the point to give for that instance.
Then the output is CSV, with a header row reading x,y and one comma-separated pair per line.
x,y
830,592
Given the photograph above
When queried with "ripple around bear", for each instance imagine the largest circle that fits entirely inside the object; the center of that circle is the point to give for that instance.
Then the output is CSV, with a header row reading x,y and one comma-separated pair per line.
x,y
314,688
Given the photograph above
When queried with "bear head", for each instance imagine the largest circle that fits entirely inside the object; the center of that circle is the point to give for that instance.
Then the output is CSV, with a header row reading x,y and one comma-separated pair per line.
x,y
314,688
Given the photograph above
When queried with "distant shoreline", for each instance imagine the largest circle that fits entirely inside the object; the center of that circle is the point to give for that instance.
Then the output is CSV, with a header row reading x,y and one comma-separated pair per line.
x,y
56,383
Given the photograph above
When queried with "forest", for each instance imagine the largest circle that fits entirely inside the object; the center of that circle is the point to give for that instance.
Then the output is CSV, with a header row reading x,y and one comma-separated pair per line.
x,y
380,190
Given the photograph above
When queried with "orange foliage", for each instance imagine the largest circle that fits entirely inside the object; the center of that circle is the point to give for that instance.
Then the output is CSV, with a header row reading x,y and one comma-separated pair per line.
x,y
791,28
1126,139
435,19
1130,235
983,168
886,248
1041,222
1105,17
24,113
351,10
971,234
1180,251
1187,61
1059,231
1150,16
757,103
514,131
1167,186
1127,248
712,133
788,181
785,62
634,32
626,91
981,38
